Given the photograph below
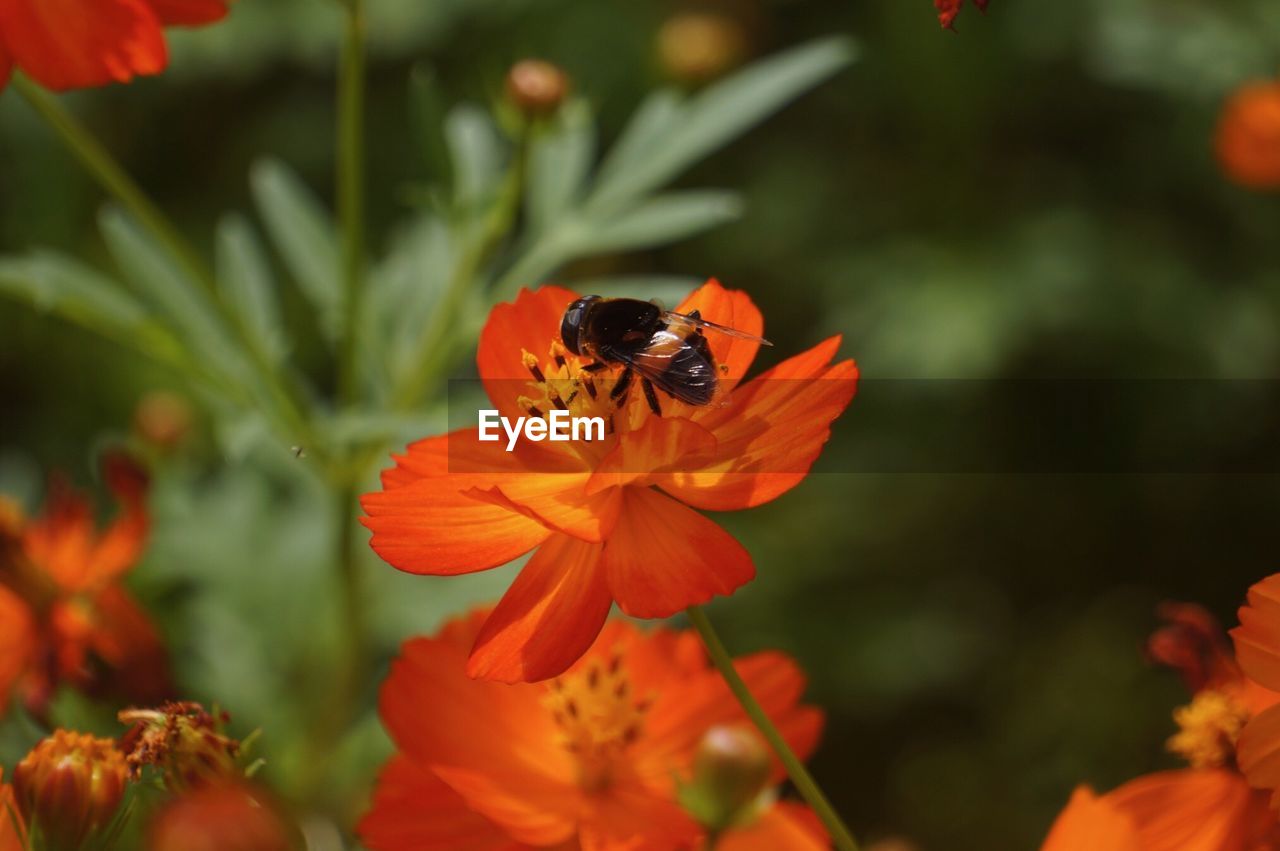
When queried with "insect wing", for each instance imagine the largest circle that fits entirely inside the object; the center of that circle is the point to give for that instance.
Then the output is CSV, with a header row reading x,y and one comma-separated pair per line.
x,y
674,366
677,320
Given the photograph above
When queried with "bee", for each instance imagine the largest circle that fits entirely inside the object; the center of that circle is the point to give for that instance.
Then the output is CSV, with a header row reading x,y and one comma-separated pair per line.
x,y
666,350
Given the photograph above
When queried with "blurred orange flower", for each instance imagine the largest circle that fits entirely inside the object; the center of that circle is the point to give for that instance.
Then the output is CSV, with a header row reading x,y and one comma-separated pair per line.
x,y
1209,806
65,616
948,9
12,832
593,759
1248,139
69,788
222,817
75,44
601,515
1257,642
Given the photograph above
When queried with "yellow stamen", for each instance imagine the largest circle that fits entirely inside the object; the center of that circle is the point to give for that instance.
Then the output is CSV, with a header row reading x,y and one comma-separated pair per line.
x,y
1208,729
598,717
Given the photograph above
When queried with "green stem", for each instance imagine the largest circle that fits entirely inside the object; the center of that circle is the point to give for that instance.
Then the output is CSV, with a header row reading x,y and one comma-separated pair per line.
x,y
350,180
436,342
804,782
104,168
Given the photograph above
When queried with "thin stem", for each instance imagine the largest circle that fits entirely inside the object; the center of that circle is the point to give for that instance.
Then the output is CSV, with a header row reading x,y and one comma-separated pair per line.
x,y
350,179
99,163
804,782
104,168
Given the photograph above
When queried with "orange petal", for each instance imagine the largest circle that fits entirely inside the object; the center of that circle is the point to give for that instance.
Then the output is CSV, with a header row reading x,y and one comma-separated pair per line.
x,y
660,444
549,616
770,433
683,713
413,810
786,826
733,309
71,44
632,817
1257,639
492,743
558,501
664,557
529,324
1258,750
17,642
127,641
1194,810
1090,823
189,13
12,836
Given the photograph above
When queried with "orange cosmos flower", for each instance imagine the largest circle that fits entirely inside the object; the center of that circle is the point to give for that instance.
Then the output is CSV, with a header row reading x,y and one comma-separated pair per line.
x,y
1257,642
221,817
593,759
948,9
12,831
610,520
1209,806
76,44
65,616
1248,139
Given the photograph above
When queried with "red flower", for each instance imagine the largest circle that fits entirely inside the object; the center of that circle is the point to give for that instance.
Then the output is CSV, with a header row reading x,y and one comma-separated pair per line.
x,y
948,9
66,618
75,44
1248,139
591,760
1209,806
609,520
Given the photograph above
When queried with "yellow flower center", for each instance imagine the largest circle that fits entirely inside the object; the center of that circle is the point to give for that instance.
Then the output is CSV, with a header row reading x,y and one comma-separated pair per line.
x,y
598,718
1208,728
561,382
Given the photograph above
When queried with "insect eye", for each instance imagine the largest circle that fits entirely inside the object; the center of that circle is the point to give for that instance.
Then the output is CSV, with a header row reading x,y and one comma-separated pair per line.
x,y
571,324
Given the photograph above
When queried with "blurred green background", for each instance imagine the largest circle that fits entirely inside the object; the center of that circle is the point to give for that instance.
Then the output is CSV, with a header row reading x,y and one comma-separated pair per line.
x,y
1032,196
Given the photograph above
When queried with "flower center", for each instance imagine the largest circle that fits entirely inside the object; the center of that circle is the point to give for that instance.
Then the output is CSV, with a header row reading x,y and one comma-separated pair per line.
x,y
584,388
598,718
1208,728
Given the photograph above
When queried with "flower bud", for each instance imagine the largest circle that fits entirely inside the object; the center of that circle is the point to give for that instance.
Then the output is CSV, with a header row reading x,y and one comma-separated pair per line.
x,y
162,419
69,787
730,775
1248,140
182,740
697,47
537,88
228,817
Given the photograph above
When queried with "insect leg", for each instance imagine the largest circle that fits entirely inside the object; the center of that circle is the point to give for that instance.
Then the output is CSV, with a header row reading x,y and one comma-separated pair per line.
x,y
619,392
651,397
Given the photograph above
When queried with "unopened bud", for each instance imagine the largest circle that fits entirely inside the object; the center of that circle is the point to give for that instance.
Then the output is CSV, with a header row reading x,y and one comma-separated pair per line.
x,y
536,87
183,741
730,775
697,47
69,787
163,419
229,817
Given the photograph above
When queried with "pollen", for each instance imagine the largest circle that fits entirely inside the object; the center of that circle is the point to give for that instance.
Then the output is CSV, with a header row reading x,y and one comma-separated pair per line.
x,y
568,382
598,718
1208,728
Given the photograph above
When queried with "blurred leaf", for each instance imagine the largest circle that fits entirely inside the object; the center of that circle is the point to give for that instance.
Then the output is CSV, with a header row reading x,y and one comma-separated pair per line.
x,y
663,219
654,120
559,162
426,119
304,234
666,139
669,290
407,286
244,274
475,149
162,283
56,284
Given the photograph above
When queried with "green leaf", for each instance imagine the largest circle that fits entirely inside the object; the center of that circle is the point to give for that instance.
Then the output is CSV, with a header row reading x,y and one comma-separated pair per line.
x,y
559,162
304,234
655,119
426,121
659,220
476,152
163,284
664,139
57,284
244,276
